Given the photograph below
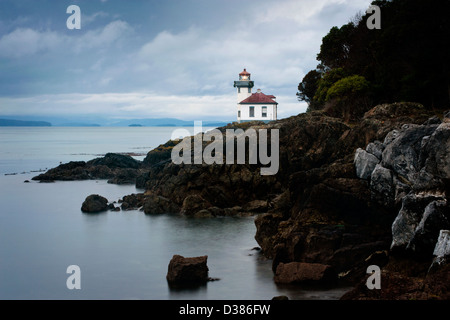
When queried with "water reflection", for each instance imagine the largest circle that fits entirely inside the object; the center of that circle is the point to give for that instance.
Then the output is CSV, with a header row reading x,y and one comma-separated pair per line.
x,y
179,291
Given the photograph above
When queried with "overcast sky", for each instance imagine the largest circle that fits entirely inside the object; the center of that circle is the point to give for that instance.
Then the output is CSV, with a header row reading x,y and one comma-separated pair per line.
x,y
152,59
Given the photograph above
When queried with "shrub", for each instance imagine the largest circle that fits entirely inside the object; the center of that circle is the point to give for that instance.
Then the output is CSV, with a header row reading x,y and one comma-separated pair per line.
x,y
348,97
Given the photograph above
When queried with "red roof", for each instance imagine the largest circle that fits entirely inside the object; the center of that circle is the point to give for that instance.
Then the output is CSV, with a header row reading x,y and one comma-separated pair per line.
x,y
259,97
244,73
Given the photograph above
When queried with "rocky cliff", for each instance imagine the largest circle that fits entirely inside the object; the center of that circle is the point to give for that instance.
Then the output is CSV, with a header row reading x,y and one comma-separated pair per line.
x,y
346,196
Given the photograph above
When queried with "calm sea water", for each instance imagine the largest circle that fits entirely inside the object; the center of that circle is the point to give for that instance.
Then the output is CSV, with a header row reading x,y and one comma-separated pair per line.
x,y
121,255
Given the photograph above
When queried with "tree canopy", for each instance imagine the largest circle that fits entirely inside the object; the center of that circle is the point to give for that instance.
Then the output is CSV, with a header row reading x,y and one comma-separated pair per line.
x,y
408,59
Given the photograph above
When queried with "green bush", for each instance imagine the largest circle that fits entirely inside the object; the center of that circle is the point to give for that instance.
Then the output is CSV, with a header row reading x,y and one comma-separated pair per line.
x,y
326,83
348,97
348,87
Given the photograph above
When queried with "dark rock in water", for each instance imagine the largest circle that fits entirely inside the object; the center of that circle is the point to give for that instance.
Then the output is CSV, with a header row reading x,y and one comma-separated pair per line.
x,y
300,272
94,203
117,168
183,270
156,205
132,202
115,160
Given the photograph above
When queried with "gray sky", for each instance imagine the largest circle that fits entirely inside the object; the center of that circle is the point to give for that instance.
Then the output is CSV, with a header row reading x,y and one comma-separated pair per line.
x,y
152,59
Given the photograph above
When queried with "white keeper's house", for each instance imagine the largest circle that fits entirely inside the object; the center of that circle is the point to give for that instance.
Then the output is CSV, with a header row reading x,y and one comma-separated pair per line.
x,y
253,106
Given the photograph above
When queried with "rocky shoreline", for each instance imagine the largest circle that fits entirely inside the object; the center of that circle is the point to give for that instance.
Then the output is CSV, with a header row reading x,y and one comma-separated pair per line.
x,y
346,196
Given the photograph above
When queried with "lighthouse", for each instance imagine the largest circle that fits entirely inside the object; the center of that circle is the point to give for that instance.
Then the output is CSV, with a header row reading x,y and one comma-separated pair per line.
x,y
244,85
253,106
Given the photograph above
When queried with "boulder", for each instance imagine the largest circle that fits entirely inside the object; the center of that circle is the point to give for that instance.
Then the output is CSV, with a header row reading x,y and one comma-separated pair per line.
x,y
442,247
436,216
436,153
376,148
381,186
301,272
441,251
183,270
94,203
407,220
365,163
402,155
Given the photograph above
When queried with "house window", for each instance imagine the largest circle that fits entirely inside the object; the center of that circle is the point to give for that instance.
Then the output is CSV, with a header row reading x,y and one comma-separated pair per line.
x,y
264,112
251,112
239,113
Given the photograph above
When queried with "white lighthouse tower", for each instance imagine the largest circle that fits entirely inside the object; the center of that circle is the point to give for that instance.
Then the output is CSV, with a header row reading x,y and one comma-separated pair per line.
x,y
253,106
244,86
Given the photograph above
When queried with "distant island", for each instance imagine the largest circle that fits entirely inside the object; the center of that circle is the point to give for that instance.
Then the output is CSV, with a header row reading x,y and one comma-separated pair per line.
x,y
20,123
30,121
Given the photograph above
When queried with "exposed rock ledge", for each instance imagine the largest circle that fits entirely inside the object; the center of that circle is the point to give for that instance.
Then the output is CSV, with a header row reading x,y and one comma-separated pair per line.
x,y
117,168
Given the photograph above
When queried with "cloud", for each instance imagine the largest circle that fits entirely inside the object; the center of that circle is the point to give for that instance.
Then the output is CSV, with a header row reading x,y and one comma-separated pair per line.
x,y
103,37
278,43
188,67
25,41
88,19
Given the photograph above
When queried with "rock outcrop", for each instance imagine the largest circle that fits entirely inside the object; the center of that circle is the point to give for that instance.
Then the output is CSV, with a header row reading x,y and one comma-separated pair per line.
x,y
345,195
183,270
412,177
94,203
340,204
117,168
414,172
